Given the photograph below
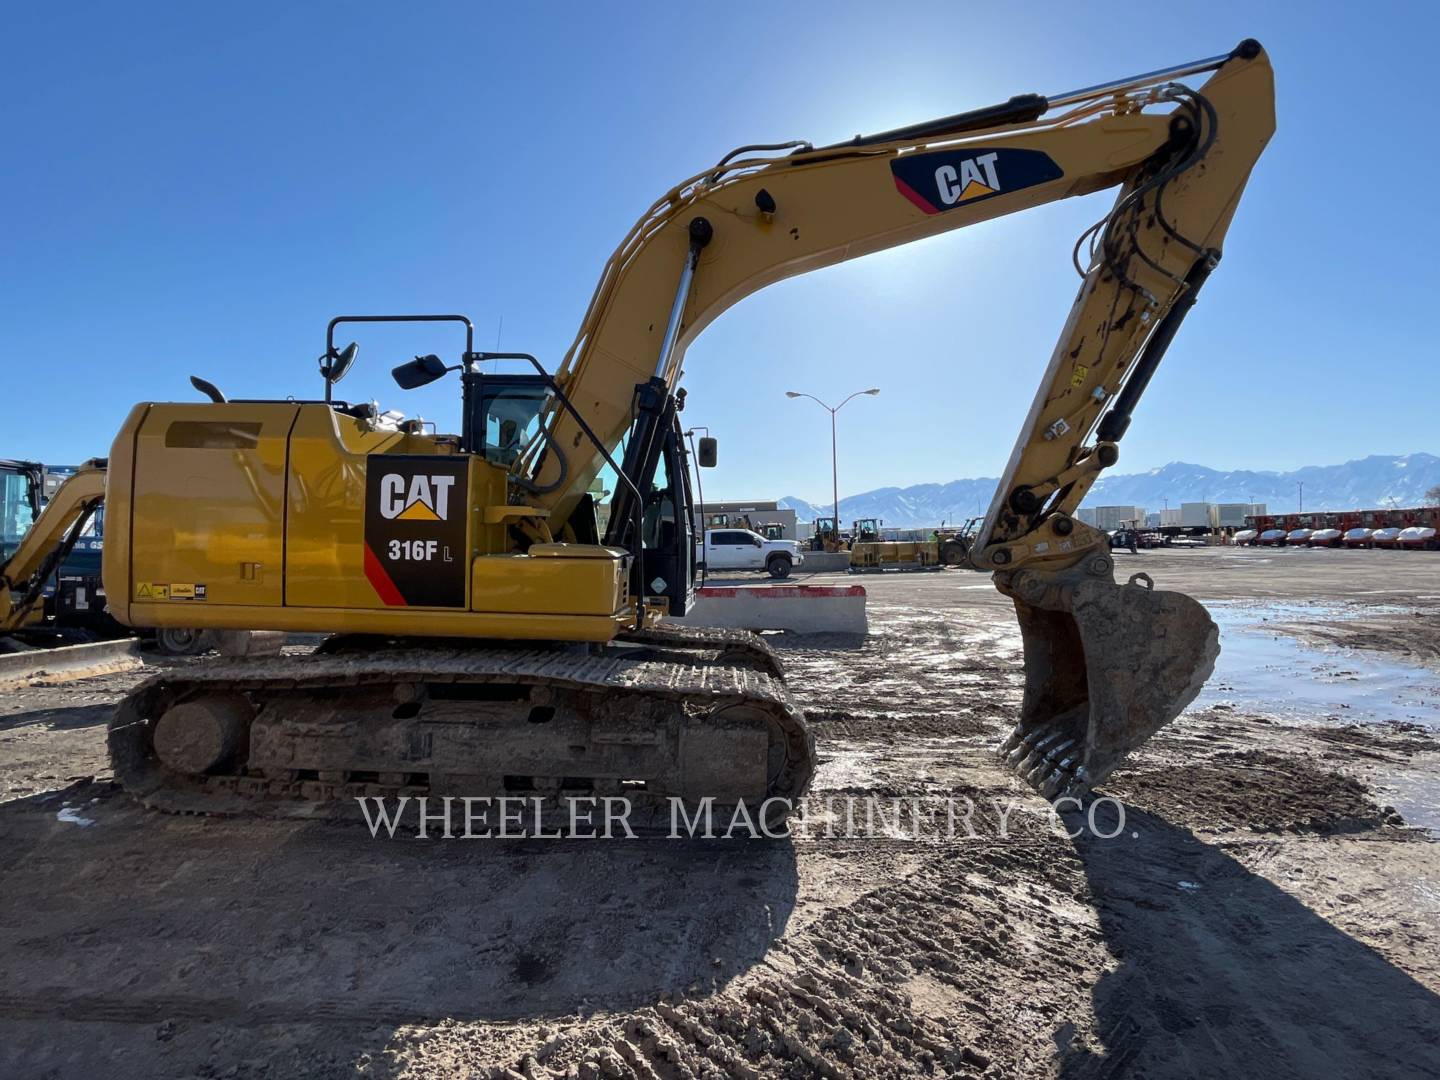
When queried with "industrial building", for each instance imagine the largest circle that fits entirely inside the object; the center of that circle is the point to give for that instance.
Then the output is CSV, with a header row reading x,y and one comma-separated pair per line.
x,y
1110,518
1233,515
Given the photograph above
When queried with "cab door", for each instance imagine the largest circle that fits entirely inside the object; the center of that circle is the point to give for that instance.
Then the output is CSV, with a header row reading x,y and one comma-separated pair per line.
x,y
745,550
723,550
714,557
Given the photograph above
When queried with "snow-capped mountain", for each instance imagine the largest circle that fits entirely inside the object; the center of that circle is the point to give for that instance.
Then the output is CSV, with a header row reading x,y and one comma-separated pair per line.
x,y
1371,481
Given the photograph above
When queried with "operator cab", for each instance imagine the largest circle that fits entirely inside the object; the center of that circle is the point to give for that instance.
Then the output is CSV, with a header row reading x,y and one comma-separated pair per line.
x,y
503,420
502,414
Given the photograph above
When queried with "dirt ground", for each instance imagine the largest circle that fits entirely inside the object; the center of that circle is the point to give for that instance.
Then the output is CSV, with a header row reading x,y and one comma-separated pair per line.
x,y
1269,908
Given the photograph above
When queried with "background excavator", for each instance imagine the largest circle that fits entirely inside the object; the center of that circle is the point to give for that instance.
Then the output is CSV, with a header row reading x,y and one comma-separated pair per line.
x,y
34,544
488,636
52,597
53,621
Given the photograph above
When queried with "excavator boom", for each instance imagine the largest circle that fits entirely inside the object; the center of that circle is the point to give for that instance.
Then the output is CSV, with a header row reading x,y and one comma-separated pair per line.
x,y
1106,666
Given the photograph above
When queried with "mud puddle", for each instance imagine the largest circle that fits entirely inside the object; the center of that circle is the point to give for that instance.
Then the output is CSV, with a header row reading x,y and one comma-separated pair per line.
x,y
1263,668
1416,797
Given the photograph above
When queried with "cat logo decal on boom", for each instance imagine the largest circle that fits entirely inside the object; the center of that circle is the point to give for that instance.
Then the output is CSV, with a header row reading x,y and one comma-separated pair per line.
x,y
415,540
949,179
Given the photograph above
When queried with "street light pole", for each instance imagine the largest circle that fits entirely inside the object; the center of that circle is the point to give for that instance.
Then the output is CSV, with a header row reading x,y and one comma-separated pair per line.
x,y
1301,485
834,443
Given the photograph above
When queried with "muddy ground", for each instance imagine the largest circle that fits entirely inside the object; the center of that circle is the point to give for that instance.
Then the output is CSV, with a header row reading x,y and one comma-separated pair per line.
x,y
1266,910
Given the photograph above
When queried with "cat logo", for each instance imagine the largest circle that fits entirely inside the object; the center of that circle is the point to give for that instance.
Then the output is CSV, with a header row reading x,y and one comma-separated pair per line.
x,y
414,549
427,497
949,179
974,178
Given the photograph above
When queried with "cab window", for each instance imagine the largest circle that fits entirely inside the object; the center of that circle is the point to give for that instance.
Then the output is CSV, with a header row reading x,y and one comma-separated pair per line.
x,y
510,415
16,515
660,516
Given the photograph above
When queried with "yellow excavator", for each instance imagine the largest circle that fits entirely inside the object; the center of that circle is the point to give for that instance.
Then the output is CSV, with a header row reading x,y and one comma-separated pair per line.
x,y
31,552
34,546
489,637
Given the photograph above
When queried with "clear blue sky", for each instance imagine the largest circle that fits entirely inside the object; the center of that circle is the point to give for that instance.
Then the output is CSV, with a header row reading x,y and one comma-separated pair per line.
x,y
198,188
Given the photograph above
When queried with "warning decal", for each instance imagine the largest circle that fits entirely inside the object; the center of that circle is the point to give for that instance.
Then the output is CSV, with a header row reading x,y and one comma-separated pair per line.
x,y
151,590
415,529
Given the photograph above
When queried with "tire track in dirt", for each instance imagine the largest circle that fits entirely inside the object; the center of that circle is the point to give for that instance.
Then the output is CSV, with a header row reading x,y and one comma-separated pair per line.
x,y
918,975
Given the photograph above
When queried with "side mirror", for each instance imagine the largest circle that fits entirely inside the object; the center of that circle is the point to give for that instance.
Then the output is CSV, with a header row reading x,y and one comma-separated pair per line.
x,y
334,365
708,452
421,371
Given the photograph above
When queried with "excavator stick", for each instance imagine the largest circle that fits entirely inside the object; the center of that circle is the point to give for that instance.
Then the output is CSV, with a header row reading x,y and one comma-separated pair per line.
x,y
1106,666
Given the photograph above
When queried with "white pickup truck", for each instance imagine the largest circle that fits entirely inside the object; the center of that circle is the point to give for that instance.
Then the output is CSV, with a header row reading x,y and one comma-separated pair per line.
x,y
741,549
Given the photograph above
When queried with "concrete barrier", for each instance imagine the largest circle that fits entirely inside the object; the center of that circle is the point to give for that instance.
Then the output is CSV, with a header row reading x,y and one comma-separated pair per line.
x,y
68,662
824,562
248,642
801,609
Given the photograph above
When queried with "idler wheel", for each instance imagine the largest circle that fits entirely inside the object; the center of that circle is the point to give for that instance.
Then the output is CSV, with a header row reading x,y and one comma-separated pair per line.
x,y
205,734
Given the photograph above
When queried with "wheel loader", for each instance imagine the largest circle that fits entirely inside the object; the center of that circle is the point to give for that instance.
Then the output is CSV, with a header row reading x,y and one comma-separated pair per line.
x,y
945,547
826,536
488,637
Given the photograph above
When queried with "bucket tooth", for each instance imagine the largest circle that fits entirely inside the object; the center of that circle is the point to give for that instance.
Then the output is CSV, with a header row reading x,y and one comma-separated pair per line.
x,y
1106,666
1035,774
1054,784
1012,740
1039,751
1023,749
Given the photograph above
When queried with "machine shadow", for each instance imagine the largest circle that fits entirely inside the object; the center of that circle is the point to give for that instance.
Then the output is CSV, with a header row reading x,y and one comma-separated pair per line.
x,y
317,921
828,641
1222,973
65,718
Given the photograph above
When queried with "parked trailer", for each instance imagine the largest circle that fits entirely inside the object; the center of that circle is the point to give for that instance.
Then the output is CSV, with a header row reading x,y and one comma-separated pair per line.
x,y
1419,537
1344,520
1385,538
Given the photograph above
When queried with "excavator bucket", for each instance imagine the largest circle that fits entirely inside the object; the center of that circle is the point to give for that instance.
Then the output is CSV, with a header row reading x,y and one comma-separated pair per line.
x,y
1106,666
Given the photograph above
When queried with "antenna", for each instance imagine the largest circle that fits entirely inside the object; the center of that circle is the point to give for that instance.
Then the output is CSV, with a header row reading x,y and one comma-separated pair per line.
x,y
498,329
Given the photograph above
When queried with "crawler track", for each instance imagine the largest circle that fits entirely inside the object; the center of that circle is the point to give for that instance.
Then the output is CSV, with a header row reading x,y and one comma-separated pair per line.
x,y
665,714
739,646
